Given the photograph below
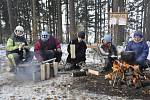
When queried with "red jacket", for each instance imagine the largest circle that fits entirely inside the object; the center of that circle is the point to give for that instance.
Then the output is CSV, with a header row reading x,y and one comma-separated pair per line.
x,y
40,46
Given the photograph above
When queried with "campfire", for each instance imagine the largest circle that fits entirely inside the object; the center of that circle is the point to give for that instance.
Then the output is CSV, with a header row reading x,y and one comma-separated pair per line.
x,y
125,72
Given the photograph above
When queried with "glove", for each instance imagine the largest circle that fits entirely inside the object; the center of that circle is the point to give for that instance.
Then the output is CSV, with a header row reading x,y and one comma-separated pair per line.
x,y
58,49
113,56
21,46
107,53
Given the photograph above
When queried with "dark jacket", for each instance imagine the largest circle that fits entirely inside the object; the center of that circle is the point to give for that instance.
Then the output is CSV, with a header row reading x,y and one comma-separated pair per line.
x,y
141,50
80,51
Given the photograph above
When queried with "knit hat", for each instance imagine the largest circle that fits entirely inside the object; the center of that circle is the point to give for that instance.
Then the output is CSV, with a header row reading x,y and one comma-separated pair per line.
x,y
44,36
107,38
138,34
81,35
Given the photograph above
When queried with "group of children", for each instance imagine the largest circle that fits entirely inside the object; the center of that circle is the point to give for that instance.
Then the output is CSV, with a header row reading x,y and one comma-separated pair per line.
x,y
47,47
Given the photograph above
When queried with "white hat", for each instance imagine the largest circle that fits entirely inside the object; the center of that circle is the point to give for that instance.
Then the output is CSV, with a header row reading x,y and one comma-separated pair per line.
x,y
19,28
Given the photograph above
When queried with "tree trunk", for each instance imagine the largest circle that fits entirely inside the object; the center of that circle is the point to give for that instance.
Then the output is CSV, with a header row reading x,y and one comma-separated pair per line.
x,y
86,19
34,23
59,30
96,22
72,18
67,22
12,20
1,35
147,23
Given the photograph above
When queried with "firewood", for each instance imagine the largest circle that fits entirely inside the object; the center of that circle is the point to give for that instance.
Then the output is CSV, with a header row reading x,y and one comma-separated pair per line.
x,y
47,70
78,74
94,72
51,70
42,71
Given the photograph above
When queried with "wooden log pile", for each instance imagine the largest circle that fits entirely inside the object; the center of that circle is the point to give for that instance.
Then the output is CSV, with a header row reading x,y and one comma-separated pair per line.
x,y
48,69
124,72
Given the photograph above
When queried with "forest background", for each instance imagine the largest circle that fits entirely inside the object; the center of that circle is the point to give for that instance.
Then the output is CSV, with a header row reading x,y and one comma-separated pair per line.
x,y
66,17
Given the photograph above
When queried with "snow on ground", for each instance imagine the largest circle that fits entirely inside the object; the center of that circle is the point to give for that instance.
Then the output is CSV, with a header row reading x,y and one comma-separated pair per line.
x,y
2,50
57,88
54,89
3,59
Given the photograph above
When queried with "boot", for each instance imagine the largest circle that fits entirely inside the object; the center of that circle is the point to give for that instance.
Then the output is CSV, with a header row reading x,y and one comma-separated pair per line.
x,y
69,67
11,69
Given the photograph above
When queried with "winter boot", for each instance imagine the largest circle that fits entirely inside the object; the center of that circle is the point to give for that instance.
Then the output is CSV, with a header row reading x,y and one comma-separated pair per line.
x,y
69,67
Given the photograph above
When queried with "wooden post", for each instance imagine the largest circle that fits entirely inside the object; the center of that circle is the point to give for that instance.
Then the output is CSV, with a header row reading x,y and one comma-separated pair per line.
x,y
47,70
51,70
55,66
42,71
94,72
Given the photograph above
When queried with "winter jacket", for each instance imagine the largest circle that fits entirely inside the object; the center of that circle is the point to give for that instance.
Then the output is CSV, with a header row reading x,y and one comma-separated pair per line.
x,y
109,49
80,51
12,45
141,50
42,47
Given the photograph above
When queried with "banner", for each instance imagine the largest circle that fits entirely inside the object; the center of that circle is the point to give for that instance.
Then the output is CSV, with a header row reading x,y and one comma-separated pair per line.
x,y
118,18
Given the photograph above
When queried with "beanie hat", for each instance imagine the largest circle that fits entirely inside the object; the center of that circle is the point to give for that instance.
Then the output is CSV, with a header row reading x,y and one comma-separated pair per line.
x,y
19,28
138,34
81,35
107,38
44,36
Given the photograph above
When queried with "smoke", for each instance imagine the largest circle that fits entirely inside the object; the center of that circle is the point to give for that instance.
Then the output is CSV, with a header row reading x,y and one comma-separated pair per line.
x,y
25,71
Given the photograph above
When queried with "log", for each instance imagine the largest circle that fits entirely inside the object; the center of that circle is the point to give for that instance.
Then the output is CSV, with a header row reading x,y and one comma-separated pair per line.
x,y
42,67
55,65
94,72
51,70
92,46
47,70
79,73
50,60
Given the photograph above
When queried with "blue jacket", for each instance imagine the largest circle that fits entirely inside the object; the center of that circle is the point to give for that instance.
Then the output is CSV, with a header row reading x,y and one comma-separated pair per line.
x,y
141,50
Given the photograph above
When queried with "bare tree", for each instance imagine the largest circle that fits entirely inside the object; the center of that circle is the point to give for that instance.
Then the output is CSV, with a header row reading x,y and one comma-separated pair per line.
x,y
146,20
59,24
11,14
72,18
